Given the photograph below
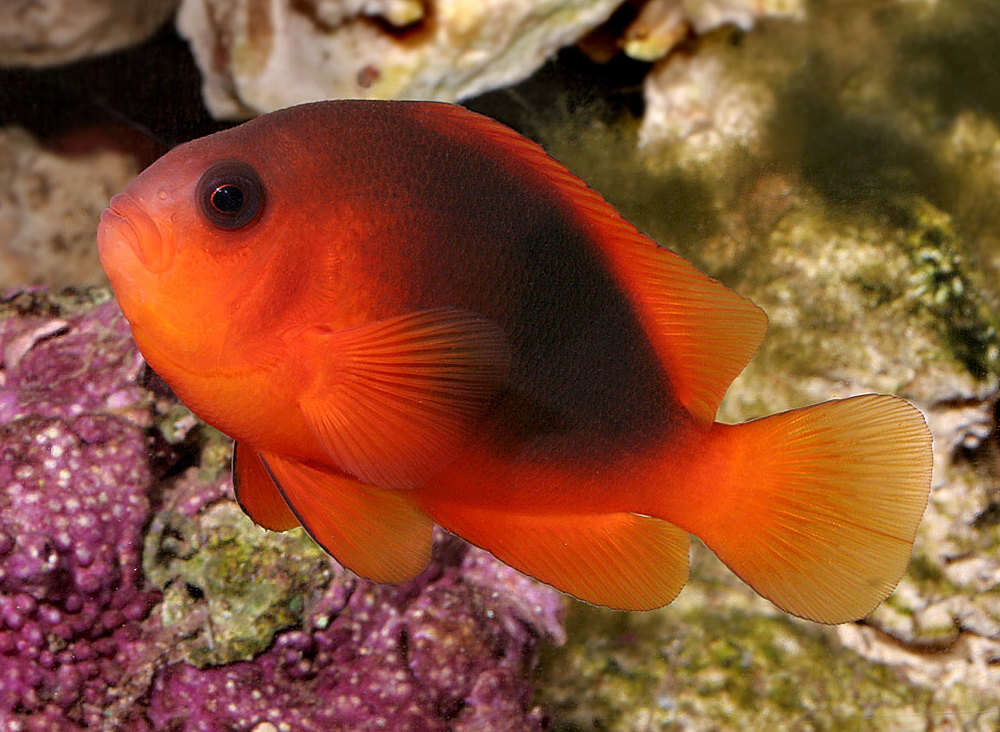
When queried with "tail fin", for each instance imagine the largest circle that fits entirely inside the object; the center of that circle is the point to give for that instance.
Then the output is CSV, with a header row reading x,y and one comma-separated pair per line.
x,y
817,508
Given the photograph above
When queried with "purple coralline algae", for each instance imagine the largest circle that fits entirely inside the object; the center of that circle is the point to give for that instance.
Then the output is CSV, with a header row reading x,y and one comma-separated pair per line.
x,y
73,504
63,368
88,640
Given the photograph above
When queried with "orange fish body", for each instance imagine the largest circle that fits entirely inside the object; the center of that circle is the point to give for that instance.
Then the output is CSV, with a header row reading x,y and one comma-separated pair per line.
x,y
406,313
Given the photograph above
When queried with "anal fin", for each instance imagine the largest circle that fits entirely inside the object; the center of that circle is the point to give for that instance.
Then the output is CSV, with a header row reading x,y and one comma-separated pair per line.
x,y
378,534
620,560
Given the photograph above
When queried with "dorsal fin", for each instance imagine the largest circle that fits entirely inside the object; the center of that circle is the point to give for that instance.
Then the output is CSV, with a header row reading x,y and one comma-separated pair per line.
x,y
703,332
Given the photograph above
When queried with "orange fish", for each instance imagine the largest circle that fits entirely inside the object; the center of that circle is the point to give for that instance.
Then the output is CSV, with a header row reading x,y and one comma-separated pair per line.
x,y
406,313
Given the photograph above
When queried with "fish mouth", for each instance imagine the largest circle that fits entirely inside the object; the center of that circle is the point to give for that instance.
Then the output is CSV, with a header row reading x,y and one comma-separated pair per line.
x,y
125,222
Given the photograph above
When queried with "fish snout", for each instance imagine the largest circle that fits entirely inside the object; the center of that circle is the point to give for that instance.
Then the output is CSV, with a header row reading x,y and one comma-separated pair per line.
x,y
125,221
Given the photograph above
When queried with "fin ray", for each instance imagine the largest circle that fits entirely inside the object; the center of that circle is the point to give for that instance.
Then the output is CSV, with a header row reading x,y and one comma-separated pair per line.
x,y
400,395
704,332
821,514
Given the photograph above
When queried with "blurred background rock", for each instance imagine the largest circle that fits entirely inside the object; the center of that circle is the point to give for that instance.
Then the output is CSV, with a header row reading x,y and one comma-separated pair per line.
x,y
837,161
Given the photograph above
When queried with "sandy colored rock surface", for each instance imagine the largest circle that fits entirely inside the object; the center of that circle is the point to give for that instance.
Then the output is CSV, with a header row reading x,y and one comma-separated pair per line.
x,y
48,32
49,207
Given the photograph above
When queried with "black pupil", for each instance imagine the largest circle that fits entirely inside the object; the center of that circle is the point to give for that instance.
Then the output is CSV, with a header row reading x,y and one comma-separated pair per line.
x,y
227,199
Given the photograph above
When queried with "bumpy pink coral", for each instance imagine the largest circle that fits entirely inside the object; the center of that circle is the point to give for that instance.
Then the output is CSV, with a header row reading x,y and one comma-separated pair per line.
x,y
450,651
65,367
72,509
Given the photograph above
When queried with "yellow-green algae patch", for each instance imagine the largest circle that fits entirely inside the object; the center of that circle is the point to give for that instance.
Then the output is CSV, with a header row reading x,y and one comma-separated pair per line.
x,y
63,303
858,303
228,585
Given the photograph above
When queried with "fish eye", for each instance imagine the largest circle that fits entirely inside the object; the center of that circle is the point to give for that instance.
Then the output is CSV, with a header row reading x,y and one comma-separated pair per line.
x,y
230,194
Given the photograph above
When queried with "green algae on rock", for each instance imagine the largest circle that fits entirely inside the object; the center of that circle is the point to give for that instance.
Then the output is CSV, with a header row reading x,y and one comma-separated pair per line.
x,y
718,659
865,105
228,586
951,290
231,584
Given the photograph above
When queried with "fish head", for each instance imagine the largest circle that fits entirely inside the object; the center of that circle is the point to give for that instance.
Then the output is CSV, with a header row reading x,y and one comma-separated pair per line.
x,y
207,243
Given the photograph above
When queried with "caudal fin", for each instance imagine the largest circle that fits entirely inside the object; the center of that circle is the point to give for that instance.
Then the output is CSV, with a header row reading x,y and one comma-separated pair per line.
x,y
817,508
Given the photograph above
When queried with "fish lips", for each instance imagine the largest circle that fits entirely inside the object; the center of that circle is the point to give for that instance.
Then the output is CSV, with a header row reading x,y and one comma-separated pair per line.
x,y
125,224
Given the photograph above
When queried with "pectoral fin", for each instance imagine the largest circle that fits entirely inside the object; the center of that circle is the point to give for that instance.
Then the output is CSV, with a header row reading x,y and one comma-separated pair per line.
x,y
256,492
395,398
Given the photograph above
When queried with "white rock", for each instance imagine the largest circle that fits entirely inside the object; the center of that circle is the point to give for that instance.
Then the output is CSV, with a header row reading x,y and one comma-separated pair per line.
x,y
46,32
699,104
260,55
662,24
706,15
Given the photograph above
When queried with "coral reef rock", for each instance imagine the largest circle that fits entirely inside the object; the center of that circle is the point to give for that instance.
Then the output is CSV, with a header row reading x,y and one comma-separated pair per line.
x,y
837,174
49,204
263,55
47,32
448,651
137,596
